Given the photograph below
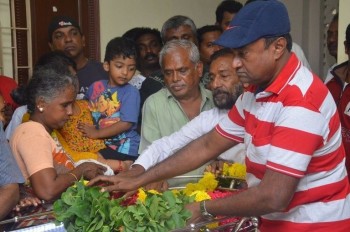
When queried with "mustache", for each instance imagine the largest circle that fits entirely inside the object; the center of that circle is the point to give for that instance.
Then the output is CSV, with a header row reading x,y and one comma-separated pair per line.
x,y
150,55
219,91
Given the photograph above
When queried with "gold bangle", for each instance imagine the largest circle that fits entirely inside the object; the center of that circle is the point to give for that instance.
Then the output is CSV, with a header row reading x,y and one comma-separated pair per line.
x,y
75,177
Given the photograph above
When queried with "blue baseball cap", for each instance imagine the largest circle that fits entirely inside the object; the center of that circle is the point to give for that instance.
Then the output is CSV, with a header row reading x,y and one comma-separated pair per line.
x,y
259,19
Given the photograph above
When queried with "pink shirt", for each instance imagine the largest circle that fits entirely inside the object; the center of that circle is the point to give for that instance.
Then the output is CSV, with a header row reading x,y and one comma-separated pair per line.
x,y
34,149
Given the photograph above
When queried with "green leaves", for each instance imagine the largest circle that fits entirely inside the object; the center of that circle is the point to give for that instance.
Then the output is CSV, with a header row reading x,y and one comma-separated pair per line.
x,y
84,208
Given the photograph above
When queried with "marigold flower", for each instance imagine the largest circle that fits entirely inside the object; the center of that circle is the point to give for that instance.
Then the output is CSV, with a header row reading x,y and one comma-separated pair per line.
x,y
200,196
235,170
141,195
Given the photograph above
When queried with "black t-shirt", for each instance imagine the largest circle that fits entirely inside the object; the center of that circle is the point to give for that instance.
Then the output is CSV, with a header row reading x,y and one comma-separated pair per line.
x,y
91,72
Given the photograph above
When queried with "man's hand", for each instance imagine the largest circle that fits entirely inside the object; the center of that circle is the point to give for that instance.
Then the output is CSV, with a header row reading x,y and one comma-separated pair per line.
x,y
159,186
196,214
88,130
215,167
116,183
135,170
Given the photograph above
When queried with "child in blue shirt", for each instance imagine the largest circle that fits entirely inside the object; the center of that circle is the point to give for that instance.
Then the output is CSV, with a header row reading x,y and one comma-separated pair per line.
x,y
115,104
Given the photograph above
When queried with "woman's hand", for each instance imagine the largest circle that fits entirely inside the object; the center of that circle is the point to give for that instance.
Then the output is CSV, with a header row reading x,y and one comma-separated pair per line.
x,y
26,202
90,170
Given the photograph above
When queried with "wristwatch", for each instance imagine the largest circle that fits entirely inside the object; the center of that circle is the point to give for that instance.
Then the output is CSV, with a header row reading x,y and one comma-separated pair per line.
x,y
204,211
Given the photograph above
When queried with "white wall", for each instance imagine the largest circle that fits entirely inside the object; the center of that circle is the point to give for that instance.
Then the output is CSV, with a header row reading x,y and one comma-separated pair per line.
x,y
344,20
116,17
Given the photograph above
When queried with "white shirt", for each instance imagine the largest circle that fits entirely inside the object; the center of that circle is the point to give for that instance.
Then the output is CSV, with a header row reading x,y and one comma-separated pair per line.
x,y
300,54
137,80
15,121
200,125
329,75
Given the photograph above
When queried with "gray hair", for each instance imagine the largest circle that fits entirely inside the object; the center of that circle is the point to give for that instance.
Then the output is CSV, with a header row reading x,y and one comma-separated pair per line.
x,y
177,21
48,84
172,45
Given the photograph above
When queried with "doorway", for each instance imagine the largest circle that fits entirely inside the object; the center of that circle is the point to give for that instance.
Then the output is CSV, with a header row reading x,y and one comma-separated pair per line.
x,y
85,12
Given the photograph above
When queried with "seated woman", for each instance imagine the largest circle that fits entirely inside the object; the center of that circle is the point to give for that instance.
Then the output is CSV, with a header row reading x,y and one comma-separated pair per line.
x,y
46,166
74,143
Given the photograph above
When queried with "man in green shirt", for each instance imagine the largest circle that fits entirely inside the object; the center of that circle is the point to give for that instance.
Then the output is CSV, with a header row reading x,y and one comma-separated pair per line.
x,y
166,111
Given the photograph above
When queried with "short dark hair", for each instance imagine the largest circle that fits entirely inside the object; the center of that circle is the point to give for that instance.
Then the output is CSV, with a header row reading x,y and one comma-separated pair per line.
x,y
146,30
208,28
288,37
347,36
120,46
56,60
229,6
220,53
132,33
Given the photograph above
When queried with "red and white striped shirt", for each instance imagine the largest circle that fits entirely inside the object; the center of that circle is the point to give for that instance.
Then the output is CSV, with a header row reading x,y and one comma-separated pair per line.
x,y
293,127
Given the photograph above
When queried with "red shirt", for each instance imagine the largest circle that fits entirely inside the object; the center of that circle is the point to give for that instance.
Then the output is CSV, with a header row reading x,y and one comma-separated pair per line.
x,y
7,84
341,94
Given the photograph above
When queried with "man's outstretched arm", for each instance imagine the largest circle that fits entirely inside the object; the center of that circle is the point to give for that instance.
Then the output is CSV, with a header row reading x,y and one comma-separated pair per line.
x,y
195,154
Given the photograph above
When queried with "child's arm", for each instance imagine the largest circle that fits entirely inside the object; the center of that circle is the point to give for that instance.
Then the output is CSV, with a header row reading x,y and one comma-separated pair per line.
x,y
106,132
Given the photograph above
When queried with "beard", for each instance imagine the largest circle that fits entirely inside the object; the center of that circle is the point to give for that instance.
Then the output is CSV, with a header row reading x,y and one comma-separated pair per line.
x,y
226,100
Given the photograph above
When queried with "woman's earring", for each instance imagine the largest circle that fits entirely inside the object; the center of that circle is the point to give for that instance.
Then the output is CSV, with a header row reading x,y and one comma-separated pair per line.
x,y
41,109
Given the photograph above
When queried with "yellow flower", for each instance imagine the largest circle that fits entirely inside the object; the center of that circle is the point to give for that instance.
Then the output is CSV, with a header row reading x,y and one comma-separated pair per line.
x,y
235,170
175,192
200,196
154,192
208,182
190,188
141,195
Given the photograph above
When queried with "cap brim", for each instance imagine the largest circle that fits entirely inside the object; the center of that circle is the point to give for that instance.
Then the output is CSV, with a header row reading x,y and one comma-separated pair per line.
x,y
233,38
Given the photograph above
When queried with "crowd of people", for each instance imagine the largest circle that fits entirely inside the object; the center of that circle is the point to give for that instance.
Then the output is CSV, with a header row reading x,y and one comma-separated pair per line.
x,y
175,102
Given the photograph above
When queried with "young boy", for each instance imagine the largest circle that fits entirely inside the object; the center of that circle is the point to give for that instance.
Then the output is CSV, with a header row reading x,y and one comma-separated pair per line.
x,y
115,104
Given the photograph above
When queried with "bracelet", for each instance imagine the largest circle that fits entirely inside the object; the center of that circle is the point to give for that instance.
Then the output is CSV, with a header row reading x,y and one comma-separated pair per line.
x,y
204,211
75,177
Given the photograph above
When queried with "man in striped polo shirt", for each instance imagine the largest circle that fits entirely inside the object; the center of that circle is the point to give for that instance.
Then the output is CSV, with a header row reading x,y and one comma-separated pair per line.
x,y
290,126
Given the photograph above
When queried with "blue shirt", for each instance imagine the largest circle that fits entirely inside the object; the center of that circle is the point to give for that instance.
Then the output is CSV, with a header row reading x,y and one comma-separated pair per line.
x,y
9,171
110,105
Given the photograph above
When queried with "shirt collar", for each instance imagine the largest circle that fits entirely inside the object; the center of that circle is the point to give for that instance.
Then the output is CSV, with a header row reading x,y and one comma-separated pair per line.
x,y
283,78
